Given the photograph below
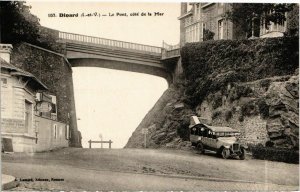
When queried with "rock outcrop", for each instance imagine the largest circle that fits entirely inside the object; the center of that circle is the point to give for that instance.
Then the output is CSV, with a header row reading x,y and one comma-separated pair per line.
x,y
283,120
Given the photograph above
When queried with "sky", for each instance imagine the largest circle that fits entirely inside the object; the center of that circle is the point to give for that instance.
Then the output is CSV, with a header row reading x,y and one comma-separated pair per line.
x,y
111,102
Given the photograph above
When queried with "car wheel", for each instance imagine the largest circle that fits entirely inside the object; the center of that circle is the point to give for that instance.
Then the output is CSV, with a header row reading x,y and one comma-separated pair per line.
x,y
225,153
242,155
200,148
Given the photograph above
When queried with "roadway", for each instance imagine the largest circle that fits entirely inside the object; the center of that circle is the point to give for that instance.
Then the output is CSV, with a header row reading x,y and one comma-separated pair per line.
x,y
137,169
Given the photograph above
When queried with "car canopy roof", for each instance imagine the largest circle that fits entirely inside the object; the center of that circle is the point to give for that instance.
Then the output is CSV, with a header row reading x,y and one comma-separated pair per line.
x,y
221,129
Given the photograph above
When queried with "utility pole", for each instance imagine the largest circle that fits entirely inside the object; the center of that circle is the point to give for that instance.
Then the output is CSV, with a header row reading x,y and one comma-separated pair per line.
x,y
101,138
145,132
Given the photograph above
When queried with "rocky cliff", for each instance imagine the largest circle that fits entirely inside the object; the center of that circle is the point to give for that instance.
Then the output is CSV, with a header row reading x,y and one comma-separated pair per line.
x,y
282,98
249,85
166,121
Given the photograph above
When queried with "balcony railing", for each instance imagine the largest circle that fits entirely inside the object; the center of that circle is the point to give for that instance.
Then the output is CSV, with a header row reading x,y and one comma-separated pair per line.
x,y
109,42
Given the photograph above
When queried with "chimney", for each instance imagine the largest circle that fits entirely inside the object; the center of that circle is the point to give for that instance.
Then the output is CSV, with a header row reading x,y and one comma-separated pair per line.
x,y
5,51
183,7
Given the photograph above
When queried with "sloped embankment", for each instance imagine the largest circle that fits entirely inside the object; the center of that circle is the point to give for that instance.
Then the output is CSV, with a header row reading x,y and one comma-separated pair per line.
x,y
249,85
165,121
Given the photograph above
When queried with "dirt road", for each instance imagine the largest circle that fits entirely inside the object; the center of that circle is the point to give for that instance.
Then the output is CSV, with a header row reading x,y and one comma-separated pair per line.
x,y
137,169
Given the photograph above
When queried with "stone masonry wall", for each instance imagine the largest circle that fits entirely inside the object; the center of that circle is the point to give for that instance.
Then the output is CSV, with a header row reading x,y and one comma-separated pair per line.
x,y
253,129
56,73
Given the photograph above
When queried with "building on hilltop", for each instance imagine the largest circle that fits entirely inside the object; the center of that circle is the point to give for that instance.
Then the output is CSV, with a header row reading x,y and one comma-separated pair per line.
x,y
204,18
28,113
204,21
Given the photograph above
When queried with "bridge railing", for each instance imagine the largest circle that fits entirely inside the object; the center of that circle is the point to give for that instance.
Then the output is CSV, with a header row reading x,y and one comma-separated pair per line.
x,y
109,42
170,51
170,47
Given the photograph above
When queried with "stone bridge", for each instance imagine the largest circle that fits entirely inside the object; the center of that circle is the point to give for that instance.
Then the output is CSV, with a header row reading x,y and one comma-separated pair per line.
x,y
80,50
91,51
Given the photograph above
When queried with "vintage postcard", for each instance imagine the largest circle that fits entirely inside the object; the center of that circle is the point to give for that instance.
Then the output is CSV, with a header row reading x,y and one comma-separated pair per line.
x,y
149,96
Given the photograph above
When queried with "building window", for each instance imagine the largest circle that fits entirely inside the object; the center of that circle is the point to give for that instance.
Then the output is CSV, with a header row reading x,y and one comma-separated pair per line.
x,y
192,33
186,22
186,34
28,115
60,131
54,131
36,126
197,32
53,111
220,29
67,132
203,29
3,82
197,11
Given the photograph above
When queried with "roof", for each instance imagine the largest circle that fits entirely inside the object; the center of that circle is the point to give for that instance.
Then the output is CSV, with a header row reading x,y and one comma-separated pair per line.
x,y
216,128
221,129
19,72
185,15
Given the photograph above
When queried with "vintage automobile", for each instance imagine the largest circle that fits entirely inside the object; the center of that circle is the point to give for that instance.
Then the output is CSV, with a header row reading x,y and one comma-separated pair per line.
x,y
222,140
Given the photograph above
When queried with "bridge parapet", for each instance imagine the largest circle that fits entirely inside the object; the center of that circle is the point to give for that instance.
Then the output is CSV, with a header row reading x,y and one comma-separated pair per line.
x,y
170,51
72,37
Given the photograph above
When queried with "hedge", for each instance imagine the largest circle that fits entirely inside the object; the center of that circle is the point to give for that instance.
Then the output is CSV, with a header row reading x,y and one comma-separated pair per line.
x,y
210,65
275,154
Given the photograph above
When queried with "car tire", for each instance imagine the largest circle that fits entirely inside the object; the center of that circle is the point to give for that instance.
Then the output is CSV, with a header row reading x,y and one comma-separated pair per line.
x,y
200,148
242,155
225,153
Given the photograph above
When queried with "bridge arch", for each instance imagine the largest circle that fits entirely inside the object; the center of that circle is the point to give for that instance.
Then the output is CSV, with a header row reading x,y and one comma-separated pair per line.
x,y
89,51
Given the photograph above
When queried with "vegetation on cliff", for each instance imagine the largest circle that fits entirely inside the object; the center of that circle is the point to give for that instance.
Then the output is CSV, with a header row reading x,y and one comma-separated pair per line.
x,y
18,25
209,66
250,85
249,16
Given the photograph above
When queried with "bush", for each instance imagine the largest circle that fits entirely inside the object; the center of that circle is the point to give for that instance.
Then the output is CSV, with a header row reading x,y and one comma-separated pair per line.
x,y
216,114
265,83
228,115
208,35
210,65
270,144
217,101
275,154
183,133
248,109
263,108
182,129
241,118
240,91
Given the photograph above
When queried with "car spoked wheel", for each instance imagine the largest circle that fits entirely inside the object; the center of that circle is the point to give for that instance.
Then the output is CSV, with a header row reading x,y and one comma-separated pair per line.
x,y
242,155
225,153
200,148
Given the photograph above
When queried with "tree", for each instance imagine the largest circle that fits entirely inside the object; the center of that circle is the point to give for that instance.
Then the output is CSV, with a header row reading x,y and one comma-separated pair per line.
x,y
17,23
249,16
293,21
